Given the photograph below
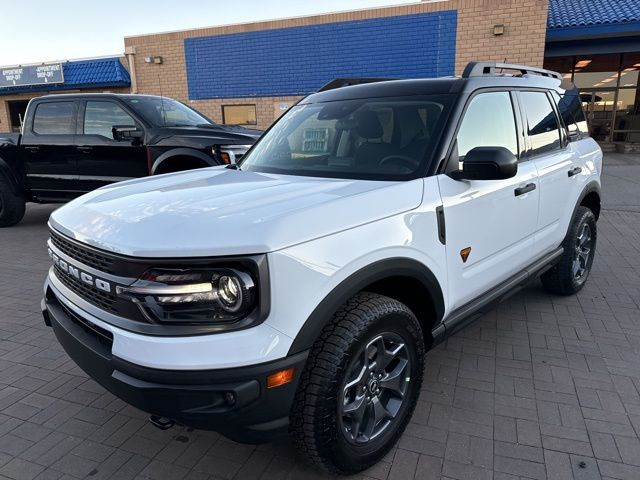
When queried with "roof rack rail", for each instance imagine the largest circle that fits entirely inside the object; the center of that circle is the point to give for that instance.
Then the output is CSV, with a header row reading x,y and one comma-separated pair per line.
x,y
347,82
478,69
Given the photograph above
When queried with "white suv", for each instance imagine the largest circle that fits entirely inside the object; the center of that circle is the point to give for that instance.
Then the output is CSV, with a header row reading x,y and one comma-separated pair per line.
x,y
299,290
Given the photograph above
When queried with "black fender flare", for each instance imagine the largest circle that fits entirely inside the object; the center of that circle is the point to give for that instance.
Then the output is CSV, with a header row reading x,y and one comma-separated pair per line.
x,y
590,187
390,267
181,152
7,173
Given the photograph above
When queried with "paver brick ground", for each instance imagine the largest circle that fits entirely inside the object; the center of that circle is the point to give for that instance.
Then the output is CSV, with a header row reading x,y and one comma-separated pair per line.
x,y
541,387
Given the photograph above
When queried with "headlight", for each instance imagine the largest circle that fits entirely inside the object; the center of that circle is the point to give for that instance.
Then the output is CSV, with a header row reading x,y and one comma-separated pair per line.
x,y
220,295
230,154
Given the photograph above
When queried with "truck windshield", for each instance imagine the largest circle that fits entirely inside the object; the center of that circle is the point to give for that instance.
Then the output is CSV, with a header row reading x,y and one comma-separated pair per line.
x,y
166,112
374,139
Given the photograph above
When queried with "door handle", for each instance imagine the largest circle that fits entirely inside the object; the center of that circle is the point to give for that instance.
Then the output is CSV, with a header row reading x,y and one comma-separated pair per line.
x,y
574,171
31,148
84,148
529,187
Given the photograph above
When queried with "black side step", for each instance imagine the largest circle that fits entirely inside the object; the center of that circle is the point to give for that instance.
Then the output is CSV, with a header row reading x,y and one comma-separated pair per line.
x,y
464,315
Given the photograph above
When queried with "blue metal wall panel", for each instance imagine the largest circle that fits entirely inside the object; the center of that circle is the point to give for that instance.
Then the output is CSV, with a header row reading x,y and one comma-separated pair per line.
x,y
299,60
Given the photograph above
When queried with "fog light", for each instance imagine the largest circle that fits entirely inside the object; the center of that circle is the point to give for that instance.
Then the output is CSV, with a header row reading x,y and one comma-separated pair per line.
x,y
280,378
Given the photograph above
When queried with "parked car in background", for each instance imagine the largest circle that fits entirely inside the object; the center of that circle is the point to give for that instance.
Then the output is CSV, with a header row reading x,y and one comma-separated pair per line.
x,y
74,143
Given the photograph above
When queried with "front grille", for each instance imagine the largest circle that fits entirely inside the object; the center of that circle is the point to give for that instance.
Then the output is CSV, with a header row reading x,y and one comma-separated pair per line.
x,y
104,337
86,256
96,297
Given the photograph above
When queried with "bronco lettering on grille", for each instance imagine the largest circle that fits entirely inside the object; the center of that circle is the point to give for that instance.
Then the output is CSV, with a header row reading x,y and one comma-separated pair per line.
x,y
78,274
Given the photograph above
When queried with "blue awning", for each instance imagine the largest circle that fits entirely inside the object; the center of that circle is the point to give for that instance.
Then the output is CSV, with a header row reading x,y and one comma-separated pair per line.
x,y
575,19
82,74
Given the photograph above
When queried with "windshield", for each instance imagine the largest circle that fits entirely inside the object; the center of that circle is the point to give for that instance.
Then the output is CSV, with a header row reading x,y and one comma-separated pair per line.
x,y
374,139
166,112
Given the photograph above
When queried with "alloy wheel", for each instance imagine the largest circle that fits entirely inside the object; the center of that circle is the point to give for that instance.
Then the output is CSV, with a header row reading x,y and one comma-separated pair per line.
x,y
583,251
375,388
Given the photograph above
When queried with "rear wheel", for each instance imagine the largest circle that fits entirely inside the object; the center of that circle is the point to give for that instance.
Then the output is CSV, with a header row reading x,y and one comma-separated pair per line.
x,y
12,206
571,272
360,385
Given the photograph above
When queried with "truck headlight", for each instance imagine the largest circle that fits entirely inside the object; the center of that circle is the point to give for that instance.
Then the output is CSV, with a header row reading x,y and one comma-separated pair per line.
x,y
220,295
230,154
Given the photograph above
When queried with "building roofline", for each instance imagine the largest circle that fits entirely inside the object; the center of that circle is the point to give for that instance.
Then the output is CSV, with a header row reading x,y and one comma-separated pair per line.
x,y
284,19
68,60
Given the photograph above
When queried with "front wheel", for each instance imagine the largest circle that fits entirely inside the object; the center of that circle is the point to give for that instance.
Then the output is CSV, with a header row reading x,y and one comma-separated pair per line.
x,y
360,386
571,272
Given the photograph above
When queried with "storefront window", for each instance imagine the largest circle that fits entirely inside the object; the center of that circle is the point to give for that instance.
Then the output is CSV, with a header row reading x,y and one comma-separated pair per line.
x,y
239,115
596,71
609,92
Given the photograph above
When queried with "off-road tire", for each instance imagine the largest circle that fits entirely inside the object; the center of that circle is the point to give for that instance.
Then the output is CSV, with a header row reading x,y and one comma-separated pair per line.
x,y
561,279
314,424
12,206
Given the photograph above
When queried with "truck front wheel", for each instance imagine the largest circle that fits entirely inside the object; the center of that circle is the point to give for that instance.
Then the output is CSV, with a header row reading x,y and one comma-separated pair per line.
x,y
12,206
360,386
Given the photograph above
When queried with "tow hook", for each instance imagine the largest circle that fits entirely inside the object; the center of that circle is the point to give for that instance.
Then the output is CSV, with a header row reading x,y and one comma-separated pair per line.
x,y
162,423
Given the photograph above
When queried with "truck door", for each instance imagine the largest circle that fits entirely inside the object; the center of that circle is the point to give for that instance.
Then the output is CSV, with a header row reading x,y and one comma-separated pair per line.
x,y
49,149
490,224
102,158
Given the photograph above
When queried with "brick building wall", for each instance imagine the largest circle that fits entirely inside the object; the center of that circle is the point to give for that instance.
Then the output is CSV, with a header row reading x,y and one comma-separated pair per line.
x,y
523,42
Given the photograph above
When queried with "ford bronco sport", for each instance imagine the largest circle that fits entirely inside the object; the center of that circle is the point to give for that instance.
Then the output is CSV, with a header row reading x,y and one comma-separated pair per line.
x,y
300,289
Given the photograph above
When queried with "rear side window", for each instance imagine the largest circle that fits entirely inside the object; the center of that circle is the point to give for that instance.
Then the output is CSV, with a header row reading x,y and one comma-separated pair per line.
x,y
488,122
542,123
55,118
570,108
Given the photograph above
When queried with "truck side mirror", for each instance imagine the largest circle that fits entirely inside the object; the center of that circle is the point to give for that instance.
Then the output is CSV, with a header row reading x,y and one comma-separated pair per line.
x,y
126,132
487,163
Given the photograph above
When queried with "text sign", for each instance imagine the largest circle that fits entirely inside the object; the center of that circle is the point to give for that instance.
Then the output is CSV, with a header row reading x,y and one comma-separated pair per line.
x,y
31,75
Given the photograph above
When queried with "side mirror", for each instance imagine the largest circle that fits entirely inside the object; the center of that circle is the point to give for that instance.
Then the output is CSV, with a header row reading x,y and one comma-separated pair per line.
x,y
487,163
126,132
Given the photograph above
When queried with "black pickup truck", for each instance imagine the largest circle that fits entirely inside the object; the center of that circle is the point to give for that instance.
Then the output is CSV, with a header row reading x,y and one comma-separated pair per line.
x,y
74,143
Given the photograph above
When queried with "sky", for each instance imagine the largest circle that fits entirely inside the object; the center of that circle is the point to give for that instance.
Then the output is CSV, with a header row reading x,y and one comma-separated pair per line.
x,y
45,30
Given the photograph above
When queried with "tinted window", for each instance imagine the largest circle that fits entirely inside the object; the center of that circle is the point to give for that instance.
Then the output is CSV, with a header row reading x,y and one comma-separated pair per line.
x,y
570,108
56,118
488,122
542,124
377,139
101,117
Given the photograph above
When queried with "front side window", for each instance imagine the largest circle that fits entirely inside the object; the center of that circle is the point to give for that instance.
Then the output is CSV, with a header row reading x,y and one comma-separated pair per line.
x,y
55,118
488,122
101,117
377,139
542,124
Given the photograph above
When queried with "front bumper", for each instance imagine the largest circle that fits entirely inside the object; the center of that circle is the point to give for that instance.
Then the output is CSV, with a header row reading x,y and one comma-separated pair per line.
x,y
232,401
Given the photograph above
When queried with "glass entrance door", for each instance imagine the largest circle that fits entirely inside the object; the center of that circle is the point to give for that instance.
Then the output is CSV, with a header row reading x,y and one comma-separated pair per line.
x,y
599,107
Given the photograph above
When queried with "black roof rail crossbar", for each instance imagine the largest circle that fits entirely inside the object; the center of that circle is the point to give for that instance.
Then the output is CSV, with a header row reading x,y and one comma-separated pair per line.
x,y
477,69
347,82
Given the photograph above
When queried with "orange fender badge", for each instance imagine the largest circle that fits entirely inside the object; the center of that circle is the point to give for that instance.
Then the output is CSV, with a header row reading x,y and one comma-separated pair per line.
x,y
464,253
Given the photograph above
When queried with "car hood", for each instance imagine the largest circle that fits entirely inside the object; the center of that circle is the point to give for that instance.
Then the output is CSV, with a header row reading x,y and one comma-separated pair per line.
x,y
217,134
220,211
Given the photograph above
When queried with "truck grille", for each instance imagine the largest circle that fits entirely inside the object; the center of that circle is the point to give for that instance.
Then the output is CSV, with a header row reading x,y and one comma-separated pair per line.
x,y
104,337
83,255
96,297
